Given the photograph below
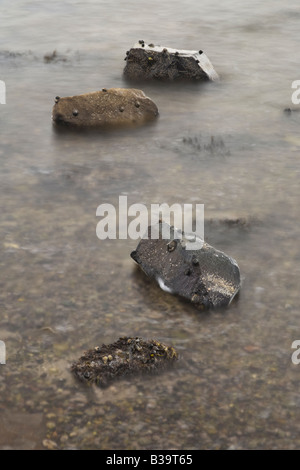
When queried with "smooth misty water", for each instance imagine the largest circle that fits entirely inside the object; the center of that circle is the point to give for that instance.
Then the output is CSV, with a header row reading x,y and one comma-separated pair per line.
x,y
63,291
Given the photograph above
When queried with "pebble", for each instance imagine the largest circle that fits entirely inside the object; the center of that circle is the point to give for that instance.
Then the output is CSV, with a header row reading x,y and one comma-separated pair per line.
x,y
51,425
50,445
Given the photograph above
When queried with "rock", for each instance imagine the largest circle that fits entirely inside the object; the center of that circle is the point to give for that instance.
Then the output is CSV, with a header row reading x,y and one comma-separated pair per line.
x,y
125,357
100,109
205,276
50,445
146,61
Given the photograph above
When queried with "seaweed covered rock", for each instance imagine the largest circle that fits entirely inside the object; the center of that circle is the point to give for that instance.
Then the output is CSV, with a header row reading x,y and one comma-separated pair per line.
x,y
146,61
125,357
106,108
205,276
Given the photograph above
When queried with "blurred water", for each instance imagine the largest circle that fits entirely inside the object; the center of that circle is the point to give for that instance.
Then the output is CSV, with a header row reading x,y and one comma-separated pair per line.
x,y
64,291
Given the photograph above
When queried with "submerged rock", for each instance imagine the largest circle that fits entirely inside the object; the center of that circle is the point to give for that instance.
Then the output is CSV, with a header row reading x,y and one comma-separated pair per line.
x,y
109,107
205,276
146,61
126,356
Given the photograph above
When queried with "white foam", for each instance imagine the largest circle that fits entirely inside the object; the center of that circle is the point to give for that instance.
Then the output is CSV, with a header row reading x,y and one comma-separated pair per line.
x,y
163,286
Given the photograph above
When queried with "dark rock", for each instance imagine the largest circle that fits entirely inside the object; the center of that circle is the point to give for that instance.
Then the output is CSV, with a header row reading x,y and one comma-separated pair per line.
x,y
100,109
205,276
154,62
125,357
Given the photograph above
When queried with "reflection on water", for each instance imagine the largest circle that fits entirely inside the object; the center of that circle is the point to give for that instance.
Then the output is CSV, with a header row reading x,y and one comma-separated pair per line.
x,y
228,145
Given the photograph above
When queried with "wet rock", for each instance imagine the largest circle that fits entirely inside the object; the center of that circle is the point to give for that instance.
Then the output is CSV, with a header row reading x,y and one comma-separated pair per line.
x,y
186,266
146,61
125,357
109,107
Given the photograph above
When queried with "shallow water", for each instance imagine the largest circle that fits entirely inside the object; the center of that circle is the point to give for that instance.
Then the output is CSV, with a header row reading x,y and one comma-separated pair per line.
x,y
64,291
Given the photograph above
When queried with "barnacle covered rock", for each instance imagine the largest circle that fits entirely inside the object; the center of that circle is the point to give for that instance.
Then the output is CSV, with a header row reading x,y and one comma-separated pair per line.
x,y
125,357
147,61
106,108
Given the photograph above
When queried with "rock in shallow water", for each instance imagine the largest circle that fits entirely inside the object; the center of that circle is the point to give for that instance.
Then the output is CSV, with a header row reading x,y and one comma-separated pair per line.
x,y
126,356
146,61
106,108
205,276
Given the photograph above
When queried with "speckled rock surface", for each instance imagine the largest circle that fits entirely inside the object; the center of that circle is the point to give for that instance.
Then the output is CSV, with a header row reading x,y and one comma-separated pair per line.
x,y
147,61
126,356
205,276
106,108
